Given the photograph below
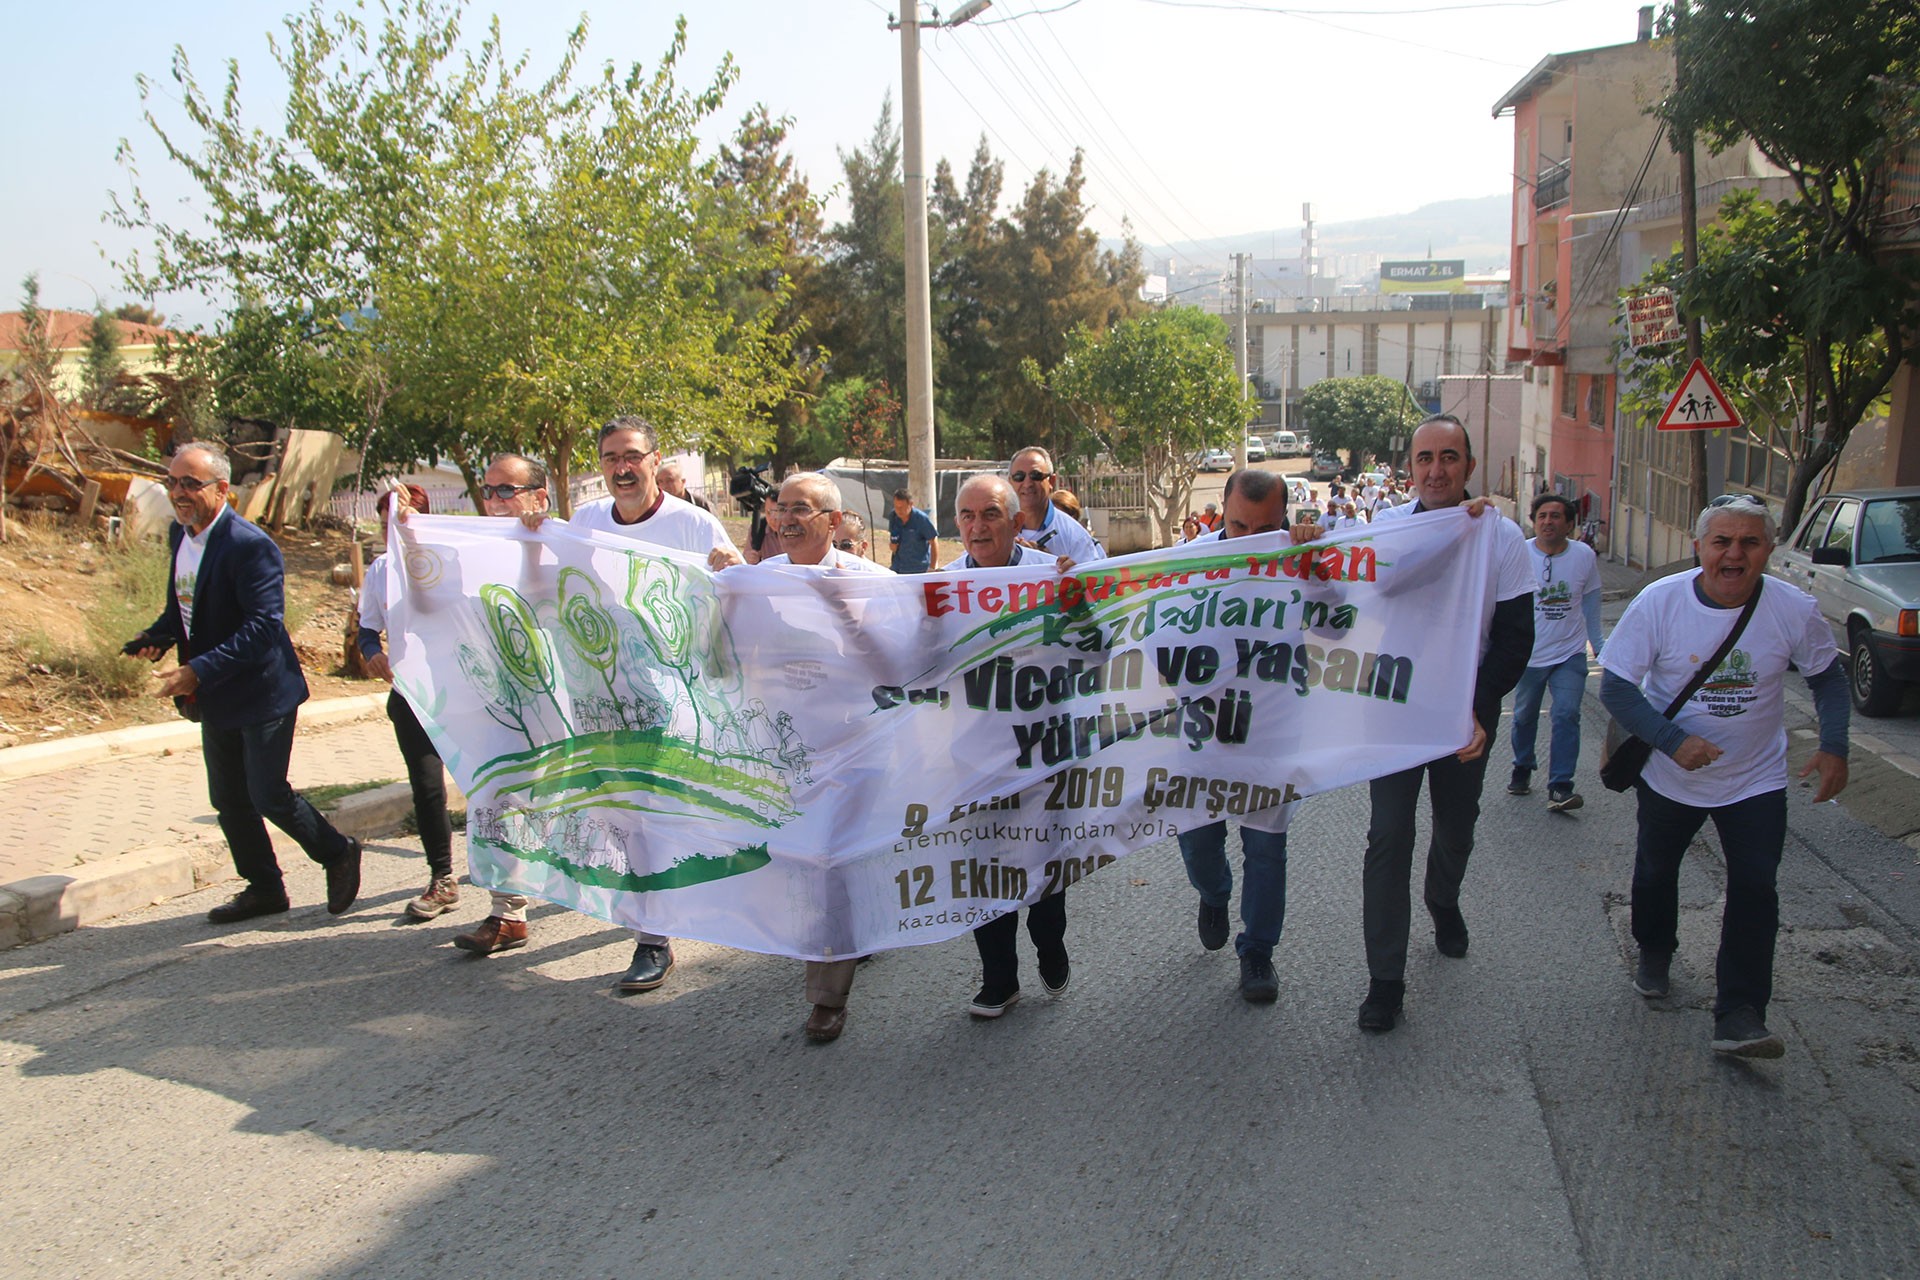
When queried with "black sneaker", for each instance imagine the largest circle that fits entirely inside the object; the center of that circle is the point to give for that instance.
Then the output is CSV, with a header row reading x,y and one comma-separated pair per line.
x,y
652,963
1259,984
343,878
1741,1033
248,904
1213,927
989,1002
1055,970
1381,1009
1563,800
1521,784
1449,931
1650,977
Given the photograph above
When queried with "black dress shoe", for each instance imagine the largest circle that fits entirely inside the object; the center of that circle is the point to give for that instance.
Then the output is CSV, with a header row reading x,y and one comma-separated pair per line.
x,y
1259,984
651,965
247,904
1381,1009
1449,931
343,878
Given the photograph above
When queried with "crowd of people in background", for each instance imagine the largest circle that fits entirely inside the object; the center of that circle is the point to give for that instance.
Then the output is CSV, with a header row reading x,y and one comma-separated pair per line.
x,y
1718,747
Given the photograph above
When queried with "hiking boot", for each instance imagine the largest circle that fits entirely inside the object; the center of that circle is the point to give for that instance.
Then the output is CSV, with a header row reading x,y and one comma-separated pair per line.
x,y
1741,1033
1520,784
1563,800
496,933
441,895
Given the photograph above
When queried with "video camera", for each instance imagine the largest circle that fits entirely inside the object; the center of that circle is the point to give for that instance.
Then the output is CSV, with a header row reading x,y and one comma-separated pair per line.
x,y
750,487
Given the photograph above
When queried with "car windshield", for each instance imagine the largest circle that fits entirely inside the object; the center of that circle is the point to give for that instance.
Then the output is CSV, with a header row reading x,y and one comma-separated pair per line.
x,y
1889,532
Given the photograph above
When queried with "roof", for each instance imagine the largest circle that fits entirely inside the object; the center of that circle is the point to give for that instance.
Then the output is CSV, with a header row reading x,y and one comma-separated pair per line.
x,y
68,331
1544,73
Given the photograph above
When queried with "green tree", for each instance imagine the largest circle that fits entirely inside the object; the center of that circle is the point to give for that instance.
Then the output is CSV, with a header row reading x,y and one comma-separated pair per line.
x,y
139,313
1153,391
865,272
1360,414
1808,286
103,368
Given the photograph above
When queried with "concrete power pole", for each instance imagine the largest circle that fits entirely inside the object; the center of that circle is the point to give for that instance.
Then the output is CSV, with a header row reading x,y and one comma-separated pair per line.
x,y
921,449
1240,345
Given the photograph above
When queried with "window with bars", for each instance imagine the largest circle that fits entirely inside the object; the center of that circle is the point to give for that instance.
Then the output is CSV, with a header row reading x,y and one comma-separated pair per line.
x,y
1569,400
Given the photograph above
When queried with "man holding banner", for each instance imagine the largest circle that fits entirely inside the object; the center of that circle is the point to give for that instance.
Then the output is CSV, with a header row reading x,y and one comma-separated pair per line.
x,y
987,511
1256,503
807,517
1442,462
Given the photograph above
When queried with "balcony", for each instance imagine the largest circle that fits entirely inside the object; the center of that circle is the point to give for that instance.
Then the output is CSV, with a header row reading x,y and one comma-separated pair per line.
x,y
1550,185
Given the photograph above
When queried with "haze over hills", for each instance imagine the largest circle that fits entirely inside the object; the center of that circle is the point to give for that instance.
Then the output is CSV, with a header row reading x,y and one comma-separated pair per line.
x,y
1476,228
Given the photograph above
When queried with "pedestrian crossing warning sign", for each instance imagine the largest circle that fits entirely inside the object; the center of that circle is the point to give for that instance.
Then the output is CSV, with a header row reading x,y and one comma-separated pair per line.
x,y
1699,404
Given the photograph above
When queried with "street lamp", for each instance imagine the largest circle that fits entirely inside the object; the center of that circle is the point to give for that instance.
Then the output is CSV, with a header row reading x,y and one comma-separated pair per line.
x,y
920,445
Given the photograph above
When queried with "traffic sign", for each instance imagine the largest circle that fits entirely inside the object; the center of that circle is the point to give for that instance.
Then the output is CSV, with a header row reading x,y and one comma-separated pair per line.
x,y
1699,404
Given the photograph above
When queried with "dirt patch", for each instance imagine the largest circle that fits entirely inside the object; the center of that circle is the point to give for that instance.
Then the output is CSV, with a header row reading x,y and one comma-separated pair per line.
x,y
62,594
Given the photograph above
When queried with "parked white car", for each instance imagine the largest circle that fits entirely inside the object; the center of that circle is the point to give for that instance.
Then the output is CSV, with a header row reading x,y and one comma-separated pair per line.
x,y
1858,553
1213,460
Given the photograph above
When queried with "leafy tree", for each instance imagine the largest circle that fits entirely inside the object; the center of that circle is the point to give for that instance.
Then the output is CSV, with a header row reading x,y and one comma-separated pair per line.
x,y
1359,414
1810,284
139,313
1153,391
864,418
101,372
865,272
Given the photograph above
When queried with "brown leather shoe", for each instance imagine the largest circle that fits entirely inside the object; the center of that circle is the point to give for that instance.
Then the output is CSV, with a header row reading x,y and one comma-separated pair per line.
x,y
824,1024
494,934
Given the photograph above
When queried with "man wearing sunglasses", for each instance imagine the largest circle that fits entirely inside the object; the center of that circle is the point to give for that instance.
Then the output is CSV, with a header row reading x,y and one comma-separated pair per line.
x,y
226,605
1044,526
1723,754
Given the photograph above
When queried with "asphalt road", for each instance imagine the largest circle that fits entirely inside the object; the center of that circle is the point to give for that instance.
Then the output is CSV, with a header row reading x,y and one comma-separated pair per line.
x,y
323,1098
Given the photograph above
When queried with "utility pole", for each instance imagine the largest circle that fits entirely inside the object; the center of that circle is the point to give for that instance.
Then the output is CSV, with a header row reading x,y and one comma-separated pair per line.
x,y
1703,483
921,447
1240,346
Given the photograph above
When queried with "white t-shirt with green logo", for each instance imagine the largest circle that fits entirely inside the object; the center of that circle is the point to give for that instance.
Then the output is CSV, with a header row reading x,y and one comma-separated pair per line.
x,y
1663,637
1560,585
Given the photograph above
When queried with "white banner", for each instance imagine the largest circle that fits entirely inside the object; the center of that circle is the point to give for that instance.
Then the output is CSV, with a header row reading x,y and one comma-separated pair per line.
x,y
822,765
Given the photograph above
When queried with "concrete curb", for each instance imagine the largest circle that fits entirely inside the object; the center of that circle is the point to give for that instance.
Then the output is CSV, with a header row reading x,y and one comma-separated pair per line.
x,y
44,906
152,739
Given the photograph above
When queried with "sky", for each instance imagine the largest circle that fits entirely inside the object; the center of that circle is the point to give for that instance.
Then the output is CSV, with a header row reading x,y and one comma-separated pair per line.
x,y
1200,119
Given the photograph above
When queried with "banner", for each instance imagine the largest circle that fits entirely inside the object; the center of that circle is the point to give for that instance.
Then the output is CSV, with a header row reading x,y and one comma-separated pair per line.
x,y
822,765
1424,275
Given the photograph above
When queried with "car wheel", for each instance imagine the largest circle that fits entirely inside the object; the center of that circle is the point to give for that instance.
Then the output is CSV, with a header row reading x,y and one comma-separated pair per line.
x,y
1874,692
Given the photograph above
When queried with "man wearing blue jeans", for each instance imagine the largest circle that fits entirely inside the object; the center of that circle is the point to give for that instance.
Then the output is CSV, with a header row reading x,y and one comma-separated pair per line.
x,y
1256,502
1566,619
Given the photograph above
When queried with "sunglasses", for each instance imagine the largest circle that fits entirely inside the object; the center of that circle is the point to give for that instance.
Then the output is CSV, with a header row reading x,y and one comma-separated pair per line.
x,y
501,492
1018,476
1737,500
185,484
848,545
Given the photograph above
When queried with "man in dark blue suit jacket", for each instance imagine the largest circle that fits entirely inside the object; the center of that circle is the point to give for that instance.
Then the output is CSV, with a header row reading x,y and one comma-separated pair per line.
x,y
239,676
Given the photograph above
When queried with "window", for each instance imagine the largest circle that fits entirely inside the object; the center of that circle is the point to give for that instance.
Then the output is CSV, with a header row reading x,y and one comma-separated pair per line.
x,y
1569,399
1840,533
1596,402
1890,532
1812,533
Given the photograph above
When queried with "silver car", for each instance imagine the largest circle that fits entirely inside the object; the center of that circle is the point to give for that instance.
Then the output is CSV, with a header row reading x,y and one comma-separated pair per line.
x,y
1858,553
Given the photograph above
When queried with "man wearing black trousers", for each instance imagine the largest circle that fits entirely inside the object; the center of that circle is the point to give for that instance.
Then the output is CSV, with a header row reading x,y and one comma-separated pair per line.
x,y
239,677
1442,458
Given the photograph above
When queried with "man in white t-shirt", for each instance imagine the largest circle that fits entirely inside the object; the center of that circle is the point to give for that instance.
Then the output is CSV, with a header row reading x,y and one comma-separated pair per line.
x,y
1044,526
1566,620
1442,462
637,507
1723,755
806,519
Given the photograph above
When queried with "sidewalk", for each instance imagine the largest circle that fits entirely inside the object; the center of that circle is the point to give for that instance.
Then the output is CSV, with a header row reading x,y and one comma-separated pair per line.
x,y
89,841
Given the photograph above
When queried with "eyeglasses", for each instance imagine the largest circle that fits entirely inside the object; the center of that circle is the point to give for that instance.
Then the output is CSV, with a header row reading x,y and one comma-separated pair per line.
x,y
501,492
798,510
1019,476
848,545
185,484
1737,500
632,458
